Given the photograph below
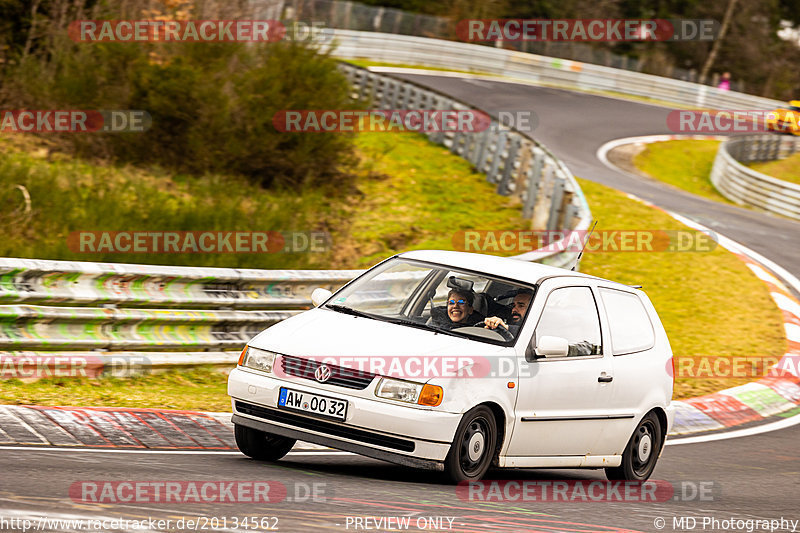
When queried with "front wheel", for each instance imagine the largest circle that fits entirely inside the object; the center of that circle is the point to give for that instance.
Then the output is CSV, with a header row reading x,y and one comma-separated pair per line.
x,y
260,445
641,453
473,447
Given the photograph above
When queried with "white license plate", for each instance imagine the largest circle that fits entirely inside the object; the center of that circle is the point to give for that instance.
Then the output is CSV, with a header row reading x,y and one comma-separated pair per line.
x,y
313,403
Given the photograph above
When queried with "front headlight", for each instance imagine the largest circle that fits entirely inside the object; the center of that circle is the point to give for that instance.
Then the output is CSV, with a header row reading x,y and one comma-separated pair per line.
x,y
258,359
409,392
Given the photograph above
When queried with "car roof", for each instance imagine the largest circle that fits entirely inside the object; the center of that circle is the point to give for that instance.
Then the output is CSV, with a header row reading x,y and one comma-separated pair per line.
x,y
500,266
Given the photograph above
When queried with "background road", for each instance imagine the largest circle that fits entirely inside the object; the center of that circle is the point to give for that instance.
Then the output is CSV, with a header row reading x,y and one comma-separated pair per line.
x,y
752,477
574,125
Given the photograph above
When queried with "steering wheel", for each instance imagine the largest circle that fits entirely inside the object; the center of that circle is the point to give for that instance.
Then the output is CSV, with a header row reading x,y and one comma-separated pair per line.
x,y
507,335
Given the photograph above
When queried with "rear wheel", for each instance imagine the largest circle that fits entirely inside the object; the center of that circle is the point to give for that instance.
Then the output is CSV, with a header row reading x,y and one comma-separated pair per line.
x,y
641,453
261,445
473,446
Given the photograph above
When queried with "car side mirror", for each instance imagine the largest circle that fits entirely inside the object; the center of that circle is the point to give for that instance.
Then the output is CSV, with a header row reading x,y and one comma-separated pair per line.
x,y
552,346
319,296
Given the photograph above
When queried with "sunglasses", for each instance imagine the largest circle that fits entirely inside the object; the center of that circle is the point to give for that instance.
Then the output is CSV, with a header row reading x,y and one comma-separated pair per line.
x,y
454,302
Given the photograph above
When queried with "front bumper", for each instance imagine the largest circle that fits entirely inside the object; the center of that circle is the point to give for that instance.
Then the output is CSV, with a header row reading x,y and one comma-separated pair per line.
x,y
379,429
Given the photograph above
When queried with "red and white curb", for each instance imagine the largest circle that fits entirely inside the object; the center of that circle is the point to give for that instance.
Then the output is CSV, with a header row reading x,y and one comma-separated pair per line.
x,y
119,428
197,432
770,396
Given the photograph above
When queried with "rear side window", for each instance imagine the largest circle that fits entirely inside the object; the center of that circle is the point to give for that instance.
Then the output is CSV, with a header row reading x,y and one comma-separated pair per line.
x,y
629,325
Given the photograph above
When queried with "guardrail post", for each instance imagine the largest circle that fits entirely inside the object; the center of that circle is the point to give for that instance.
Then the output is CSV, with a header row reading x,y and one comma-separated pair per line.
x,y
497,156
555,203
775,148
386,96
491,138
541,210
517,185
375,88
509,165
439,136
478,146
534,178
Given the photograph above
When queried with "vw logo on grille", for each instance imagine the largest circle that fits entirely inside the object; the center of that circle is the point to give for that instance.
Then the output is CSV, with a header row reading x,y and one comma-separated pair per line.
x,y
322,373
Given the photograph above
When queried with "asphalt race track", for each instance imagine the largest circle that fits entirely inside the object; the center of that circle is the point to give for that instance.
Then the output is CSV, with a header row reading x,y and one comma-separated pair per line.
x,y
747,478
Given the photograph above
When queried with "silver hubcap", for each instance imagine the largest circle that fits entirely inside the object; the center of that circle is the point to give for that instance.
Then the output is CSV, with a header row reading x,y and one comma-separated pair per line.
x,y
645,447
475,447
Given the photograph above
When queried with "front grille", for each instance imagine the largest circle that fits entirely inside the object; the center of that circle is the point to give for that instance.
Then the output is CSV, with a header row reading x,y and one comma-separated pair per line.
x,y
321,426
340,376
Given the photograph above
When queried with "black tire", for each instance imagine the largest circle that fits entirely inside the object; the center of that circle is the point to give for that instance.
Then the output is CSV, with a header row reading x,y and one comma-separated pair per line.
x,y
260,445
473,446
641,453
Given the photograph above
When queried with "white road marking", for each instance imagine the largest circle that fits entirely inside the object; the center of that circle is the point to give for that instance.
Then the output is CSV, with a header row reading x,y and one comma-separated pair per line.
x,y
734,246
747,432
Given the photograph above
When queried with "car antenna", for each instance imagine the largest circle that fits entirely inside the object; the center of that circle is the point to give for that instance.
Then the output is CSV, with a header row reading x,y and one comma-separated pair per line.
x,y
578,259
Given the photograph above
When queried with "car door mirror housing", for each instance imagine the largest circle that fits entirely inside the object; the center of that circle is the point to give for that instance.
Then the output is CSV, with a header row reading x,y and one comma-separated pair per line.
x,y
320,295
552,346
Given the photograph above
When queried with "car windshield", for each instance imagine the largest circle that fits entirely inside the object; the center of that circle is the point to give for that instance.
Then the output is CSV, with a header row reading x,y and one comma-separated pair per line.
x,y
442,299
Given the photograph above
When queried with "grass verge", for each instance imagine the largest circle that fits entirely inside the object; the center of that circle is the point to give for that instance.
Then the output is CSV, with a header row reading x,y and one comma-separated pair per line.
x,y
201,388
784,169
682,164
407,193
710,303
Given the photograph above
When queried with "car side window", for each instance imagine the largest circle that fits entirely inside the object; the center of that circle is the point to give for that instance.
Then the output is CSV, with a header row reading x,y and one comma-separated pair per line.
x,y
571,313
629,325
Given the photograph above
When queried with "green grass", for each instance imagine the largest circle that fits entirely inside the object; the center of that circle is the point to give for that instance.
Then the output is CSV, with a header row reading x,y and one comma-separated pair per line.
x,y
412,194
408,193
709,302
69,195
682,164
430,195
784,169
202,388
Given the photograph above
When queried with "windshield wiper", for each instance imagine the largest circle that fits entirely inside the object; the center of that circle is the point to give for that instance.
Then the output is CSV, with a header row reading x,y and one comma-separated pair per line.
x,y
348,310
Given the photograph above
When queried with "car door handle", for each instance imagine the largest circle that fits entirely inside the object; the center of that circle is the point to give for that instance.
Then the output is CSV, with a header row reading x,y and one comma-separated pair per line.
x,y
605,378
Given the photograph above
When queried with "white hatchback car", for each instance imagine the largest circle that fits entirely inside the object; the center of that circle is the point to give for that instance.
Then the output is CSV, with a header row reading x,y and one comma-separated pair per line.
x,y
399,365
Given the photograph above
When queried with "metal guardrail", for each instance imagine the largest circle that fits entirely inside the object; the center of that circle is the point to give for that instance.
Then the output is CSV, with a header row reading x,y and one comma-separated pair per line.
x,y
127,285
347,15
519,165
99,308
513,65
746,186
95,311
